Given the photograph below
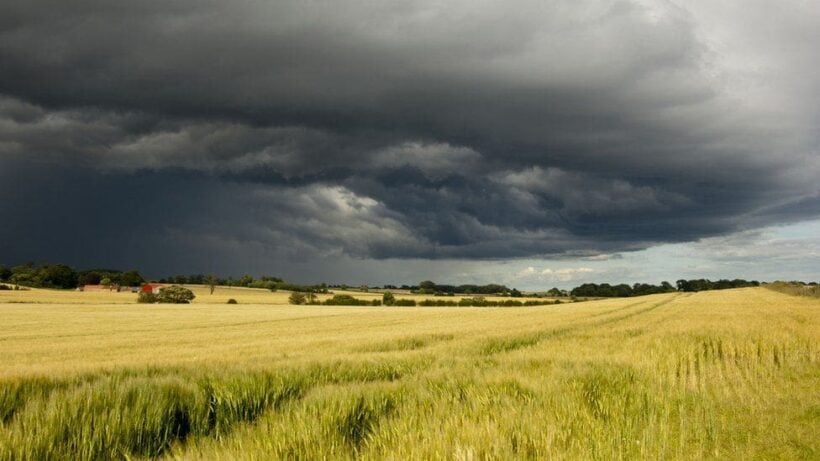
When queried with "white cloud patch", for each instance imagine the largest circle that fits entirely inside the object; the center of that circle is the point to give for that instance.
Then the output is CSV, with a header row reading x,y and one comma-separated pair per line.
x,y
566,274
333,221
435,160
603,257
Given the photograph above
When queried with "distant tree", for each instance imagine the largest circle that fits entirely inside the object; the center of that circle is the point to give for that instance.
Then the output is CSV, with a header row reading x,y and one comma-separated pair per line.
x,y
211,280
21,278
89,278
245,281
388,299
56,276
23,274
5,273
515,293
131,278
427,286
175,295
622,290
555,292
297,298
106,282
311,298
705,284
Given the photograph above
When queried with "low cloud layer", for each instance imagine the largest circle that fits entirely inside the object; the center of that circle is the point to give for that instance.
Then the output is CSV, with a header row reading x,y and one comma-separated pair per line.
x,y
464,130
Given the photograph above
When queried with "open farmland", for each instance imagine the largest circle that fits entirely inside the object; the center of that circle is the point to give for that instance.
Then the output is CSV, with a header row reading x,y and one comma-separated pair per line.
x,y
203,296
714,374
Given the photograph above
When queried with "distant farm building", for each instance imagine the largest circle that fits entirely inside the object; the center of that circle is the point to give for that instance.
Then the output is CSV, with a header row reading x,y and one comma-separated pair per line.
x,y
118,288
97,288
152,288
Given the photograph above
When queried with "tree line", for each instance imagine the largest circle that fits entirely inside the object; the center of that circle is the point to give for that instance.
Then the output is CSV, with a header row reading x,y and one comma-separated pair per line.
x,y
265,282
723,284
623,290
432,288
246,281
66,277
388,299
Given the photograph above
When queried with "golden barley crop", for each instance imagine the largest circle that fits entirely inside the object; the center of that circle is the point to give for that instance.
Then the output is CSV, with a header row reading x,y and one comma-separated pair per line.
x,y
722,374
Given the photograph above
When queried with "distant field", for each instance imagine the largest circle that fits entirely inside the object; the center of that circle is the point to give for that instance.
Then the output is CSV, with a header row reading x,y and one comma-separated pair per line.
x,y
724,374
203,296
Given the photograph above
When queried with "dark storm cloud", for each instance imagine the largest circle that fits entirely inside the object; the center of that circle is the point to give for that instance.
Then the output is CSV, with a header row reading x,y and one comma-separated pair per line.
x,y
408,129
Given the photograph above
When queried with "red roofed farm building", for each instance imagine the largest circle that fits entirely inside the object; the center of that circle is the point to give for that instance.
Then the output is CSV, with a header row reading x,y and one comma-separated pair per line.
x,y
152,288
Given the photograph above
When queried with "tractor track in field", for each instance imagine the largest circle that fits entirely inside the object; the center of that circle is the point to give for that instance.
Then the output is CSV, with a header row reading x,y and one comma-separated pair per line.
x,y
636,312
617,309
509,343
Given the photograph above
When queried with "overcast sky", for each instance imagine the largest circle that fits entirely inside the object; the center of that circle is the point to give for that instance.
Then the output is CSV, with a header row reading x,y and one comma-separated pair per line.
x,y
527,142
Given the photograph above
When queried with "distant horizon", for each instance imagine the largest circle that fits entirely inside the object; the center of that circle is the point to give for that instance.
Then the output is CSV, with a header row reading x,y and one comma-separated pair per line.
x,y
792,252
149,278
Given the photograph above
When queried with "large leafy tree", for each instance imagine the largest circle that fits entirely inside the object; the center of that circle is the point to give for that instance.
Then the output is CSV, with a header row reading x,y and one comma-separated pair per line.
x,y
175,295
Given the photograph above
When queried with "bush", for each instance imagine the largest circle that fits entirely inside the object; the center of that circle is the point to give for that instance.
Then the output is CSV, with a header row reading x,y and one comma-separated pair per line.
x,y
175,294
232,301
4,287
388,299
146,298
346,300
405,303
437,303
510,303
297,298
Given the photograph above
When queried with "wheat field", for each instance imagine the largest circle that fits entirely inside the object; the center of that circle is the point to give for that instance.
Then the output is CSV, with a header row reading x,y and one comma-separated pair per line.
x,y
722,374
